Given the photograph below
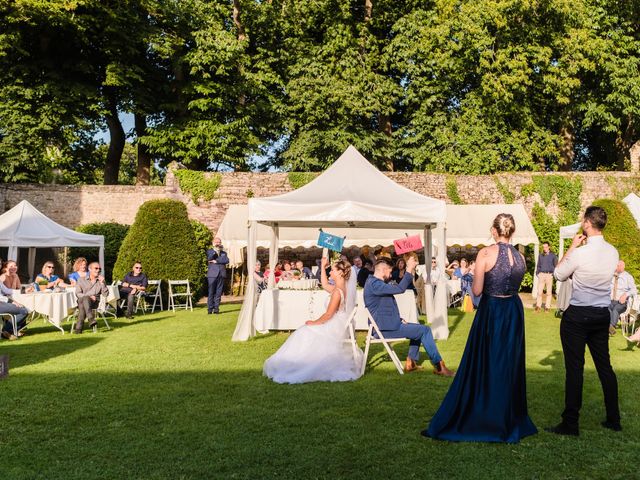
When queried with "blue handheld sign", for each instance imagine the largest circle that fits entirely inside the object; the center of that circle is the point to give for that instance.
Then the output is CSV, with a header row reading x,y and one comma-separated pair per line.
x,y
332,242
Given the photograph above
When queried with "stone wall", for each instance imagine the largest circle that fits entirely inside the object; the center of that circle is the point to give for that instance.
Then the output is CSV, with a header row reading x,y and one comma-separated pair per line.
x,y
75,205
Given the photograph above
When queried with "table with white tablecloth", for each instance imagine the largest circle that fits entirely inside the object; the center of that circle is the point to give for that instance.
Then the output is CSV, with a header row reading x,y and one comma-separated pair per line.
x,y
56,306
289,309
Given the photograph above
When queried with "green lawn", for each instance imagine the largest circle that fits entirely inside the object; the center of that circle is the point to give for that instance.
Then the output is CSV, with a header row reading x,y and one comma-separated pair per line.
x,y
171,397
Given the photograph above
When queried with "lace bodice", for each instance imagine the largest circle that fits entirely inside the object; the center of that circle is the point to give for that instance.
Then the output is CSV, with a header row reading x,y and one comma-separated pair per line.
x,y
504,278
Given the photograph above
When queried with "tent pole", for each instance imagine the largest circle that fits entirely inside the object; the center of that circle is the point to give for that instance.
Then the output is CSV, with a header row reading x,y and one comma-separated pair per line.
x,y
245,328
273,256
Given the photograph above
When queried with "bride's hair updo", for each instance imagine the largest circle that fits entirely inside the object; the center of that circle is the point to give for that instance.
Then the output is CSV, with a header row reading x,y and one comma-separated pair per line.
x,y
344,267
505,225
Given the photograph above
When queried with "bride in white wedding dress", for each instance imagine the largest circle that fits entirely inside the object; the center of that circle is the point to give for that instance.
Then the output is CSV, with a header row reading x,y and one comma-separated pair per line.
x,y
316,352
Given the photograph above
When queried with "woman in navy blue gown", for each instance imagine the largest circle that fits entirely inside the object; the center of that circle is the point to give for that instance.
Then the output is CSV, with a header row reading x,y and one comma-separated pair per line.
x,y
487,401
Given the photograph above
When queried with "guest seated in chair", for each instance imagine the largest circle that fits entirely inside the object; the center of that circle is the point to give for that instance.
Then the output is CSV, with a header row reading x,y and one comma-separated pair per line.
x,y
364,273
258,276
7,305
88,291
9,276
79,270
305,272
398,273
378,298
47,280
135,282
623,289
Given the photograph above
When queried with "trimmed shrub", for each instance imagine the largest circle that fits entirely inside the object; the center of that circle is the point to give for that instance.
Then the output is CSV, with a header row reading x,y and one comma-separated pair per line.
x,y
622,232
204,238
162,238
114,234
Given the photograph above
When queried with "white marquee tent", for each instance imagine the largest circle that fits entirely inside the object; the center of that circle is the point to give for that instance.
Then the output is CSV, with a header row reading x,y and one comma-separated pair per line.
x,y
351,193
24,226
465,224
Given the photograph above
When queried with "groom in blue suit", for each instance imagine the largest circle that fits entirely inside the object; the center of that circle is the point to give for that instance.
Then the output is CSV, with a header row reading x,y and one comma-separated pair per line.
x,y
379,300
217,261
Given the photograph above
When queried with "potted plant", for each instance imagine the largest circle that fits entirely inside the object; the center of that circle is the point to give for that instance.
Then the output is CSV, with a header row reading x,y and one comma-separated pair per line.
x,y
42,284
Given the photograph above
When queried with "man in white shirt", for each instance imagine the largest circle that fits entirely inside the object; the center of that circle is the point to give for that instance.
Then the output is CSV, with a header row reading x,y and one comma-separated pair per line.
x,y
623,290
586,321
435,272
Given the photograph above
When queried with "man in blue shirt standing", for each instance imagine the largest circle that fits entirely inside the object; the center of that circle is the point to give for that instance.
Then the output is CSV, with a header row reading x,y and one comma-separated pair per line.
x,y
217,261
547,262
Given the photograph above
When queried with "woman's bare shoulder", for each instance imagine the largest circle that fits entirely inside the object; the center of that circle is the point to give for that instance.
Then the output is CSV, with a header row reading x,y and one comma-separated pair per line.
x,y
487,251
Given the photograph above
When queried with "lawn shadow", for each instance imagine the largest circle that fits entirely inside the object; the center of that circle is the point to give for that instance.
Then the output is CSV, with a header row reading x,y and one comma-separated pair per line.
x,y
457,315
23,354
555,360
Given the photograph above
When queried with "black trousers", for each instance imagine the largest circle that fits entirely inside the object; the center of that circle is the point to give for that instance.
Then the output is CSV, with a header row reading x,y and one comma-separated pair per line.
x,y
588,326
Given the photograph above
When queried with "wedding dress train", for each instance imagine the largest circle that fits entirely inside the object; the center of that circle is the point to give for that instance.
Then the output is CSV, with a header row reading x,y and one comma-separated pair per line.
x,y
316,353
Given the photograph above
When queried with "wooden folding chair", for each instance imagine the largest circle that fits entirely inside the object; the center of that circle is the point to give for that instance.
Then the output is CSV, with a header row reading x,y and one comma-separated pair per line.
x,y
379,338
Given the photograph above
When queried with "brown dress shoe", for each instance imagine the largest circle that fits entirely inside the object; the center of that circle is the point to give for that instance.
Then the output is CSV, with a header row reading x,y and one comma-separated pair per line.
x,y
410,365
441,369
537,309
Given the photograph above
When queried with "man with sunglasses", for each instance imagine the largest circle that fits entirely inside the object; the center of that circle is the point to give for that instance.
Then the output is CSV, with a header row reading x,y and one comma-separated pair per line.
x,y
135,282
88,291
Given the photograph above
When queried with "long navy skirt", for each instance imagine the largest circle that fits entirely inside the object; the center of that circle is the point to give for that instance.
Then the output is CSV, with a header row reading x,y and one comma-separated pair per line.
x,y
487,401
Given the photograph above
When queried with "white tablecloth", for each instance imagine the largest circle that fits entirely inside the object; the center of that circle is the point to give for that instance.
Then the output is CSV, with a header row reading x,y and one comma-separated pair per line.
x,y
302,284
289,309
56,306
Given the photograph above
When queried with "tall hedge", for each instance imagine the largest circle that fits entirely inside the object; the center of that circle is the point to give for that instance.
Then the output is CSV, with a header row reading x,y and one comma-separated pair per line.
x,y
204,238
162,238
622,232
114,234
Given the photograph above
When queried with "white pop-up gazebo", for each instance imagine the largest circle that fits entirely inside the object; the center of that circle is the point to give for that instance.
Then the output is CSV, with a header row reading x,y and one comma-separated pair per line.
x,y
465,224
350,194
24,226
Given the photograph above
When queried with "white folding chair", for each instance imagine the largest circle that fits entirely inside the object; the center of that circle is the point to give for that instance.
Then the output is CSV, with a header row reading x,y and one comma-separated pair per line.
x,y
154,292
11,318
184,295
350,330
629,316
379,338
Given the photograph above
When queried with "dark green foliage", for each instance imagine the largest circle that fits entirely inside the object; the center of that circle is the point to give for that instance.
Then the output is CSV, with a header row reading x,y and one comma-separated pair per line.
x,y
622,232
452,191
203,240
197,184
162,238
503,188
300,179
114,234
456,86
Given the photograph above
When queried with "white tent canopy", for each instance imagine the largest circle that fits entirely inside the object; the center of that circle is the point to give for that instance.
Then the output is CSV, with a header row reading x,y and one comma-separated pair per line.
x,y
633,202
351,193
466,225
24,226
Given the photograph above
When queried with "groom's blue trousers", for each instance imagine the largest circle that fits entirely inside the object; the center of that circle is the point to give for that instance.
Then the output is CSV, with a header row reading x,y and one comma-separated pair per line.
x,y
417,334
